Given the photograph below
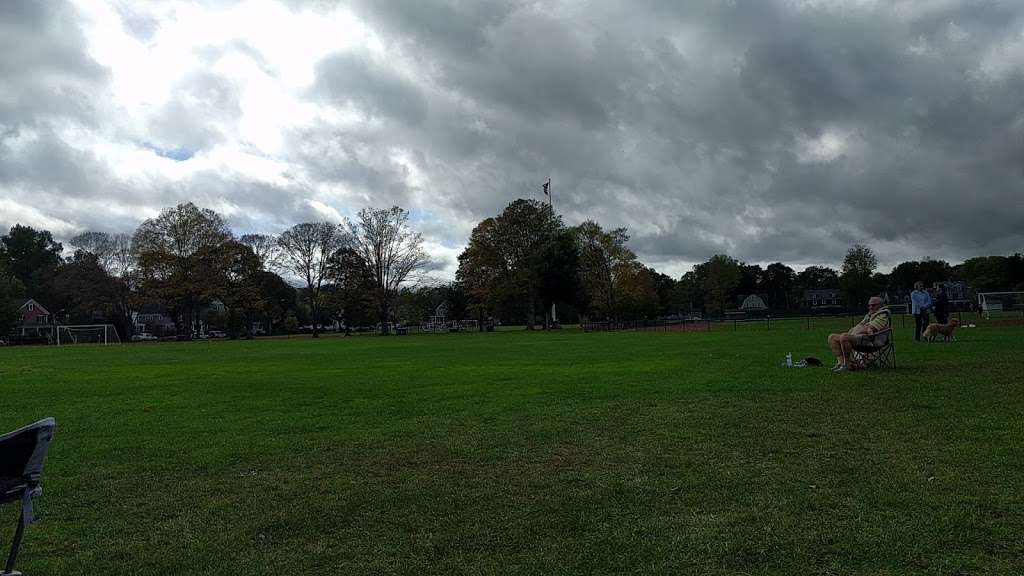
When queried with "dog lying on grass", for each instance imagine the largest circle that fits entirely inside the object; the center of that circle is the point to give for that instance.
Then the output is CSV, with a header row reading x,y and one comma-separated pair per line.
x,y
945,330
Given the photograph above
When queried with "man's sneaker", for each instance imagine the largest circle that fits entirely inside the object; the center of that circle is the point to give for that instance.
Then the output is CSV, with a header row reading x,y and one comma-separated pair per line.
x,y
839,367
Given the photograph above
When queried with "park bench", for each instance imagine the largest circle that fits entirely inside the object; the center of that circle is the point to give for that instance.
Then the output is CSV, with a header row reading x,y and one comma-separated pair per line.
x,y
22,454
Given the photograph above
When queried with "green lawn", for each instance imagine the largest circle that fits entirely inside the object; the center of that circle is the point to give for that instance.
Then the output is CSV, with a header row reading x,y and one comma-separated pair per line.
x,y
525,453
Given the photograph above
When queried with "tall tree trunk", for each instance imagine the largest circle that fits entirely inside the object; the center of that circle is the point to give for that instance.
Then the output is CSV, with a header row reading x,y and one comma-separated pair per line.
x,y
382,313
529,313
313,311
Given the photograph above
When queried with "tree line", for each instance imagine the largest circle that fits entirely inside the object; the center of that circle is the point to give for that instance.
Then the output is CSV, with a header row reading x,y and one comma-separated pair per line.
x,y
524,265
186,258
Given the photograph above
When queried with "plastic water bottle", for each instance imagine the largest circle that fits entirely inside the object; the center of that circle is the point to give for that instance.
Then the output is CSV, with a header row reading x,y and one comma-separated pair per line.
x,y
789,359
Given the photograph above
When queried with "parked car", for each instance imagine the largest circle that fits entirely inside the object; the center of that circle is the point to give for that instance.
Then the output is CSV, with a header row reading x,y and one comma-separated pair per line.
x,y
144,337
217,334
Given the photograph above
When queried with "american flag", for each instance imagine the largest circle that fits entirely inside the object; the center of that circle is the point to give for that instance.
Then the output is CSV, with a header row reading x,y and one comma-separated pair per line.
x,y
546,187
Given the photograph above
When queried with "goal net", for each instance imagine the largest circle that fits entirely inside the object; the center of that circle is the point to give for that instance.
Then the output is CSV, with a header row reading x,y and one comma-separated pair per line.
x,y
87,334
996,304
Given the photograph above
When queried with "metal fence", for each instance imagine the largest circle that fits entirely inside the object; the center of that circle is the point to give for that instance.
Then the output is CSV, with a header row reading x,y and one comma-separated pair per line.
x,y
805,322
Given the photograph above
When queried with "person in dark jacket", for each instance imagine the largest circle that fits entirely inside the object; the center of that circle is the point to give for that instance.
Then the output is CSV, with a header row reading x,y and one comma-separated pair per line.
x,y
941,307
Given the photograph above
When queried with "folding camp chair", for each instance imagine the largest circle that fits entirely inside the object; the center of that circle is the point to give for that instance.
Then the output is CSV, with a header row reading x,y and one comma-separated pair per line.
x,y
876,350
22,454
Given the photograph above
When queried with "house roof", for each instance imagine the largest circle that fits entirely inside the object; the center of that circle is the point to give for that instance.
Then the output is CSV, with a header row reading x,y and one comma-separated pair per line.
x,y
753,302
24,302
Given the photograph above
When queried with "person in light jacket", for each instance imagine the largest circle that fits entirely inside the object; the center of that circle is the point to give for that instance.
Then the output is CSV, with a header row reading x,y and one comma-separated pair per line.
x,y
920,304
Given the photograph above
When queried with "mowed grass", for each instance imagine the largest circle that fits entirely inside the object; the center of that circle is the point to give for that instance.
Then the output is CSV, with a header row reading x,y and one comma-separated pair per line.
x,y
525,453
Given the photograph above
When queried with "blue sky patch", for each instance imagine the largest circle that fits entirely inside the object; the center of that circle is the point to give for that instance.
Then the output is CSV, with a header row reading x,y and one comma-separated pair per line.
x,y
176,154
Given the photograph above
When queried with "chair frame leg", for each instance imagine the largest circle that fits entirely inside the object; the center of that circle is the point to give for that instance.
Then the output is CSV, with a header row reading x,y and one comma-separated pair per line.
x,y
19,534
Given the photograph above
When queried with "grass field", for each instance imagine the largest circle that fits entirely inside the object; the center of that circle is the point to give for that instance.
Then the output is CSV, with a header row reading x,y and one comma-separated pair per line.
x,y
517,453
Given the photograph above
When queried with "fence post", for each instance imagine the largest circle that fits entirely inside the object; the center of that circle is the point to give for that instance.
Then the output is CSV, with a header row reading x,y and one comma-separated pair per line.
x,y
808,322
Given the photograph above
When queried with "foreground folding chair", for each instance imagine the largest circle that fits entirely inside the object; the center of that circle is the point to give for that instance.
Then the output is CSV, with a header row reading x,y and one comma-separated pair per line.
x,y
22,454
877,351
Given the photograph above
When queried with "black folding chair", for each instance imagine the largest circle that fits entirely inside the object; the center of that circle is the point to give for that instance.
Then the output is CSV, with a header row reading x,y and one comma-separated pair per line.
x,y
877,350
22,454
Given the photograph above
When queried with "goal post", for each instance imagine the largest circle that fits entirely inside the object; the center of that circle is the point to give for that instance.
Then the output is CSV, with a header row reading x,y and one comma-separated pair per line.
x,y
996,303
87,334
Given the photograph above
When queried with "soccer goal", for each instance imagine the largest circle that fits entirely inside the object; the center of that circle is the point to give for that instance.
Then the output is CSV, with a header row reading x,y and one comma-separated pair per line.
x,y
997,303
87,334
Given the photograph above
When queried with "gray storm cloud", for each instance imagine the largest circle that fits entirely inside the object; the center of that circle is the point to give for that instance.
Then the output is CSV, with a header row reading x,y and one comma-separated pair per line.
x,y
769,130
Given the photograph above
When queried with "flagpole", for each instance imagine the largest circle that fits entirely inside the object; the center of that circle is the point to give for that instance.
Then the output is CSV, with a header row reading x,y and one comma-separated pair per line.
x,y
548,192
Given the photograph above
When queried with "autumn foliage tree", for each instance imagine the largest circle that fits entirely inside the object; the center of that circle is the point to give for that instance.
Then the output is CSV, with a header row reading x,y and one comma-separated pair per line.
x,y
605,262
176,251
240,285
482,270
504,257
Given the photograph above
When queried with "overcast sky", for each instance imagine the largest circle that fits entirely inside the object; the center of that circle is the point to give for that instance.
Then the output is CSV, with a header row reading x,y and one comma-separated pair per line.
x,y
765,129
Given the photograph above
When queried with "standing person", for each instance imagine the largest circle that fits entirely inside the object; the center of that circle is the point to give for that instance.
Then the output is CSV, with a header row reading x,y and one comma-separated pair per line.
x,y
920,303
942,306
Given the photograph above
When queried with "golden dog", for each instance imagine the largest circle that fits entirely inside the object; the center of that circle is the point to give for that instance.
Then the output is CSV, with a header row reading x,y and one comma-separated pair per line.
x,y
946,330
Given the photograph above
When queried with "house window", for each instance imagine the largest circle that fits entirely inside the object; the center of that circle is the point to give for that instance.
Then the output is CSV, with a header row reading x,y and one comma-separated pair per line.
x,y
31,306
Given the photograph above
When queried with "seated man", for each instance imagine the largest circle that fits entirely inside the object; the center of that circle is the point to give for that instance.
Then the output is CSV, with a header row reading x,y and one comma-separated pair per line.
x,y
876,320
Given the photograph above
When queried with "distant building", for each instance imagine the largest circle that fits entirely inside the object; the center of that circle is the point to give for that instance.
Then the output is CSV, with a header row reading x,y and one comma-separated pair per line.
x,y
955,290
822,298
753,305
153,318
33,313
753,302
35,322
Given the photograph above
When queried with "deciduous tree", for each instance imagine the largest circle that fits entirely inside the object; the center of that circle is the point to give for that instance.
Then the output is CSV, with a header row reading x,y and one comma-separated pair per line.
x,y
81,289
115,253
779,281
391,251
240,292
266,249
482,270
602,256
856,281
721,276
306,251
176,250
